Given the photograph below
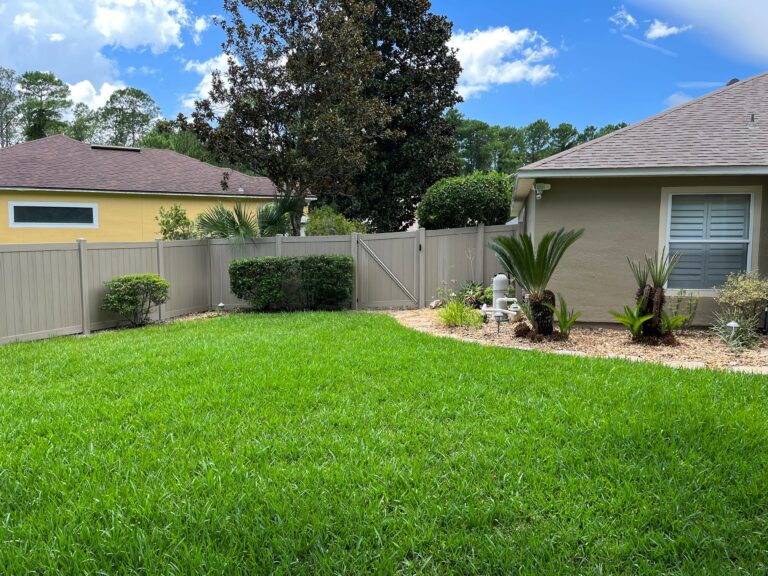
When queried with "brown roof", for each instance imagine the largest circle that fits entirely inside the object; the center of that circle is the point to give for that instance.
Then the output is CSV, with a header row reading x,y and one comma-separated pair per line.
x,y
715,130
61,163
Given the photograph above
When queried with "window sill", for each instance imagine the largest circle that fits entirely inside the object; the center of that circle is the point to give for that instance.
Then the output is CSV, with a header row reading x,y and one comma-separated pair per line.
x,y
698,292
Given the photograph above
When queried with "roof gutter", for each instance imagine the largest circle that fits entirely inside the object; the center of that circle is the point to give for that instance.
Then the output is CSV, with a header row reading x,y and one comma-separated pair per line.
x,y
525,179
141,193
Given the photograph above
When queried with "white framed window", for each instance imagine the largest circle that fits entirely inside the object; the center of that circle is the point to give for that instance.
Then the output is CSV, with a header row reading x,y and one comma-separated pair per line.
x,y
712,230
53,215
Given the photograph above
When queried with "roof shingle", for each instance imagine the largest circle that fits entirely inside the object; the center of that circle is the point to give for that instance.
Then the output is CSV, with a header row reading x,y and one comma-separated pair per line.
x,y
715,130
59,162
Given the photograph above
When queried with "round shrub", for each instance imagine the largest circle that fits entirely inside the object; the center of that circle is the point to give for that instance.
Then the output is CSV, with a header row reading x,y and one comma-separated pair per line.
x,y
132,296
480,198
324,221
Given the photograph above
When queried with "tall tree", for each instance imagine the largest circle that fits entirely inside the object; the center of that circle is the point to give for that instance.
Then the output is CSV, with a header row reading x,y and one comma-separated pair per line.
x,y
85,123
8,111
294,97
177,135
536,137
416,77
563,136
43,99
128,115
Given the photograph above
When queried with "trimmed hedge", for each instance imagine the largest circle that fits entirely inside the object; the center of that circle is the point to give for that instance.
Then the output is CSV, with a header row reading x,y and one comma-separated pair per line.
x,y
133,295
466,201
322,282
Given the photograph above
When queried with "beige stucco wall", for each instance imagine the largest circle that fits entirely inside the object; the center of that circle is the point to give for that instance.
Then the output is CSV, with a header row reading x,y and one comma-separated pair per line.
x,y
621,219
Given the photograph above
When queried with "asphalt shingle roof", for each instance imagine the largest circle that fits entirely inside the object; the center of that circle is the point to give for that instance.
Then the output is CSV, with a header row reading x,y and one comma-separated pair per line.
x,y
59,162
715,130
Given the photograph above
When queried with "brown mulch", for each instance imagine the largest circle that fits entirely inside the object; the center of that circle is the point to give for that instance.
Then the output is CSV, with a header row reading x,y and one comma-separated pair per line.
x,y
697,348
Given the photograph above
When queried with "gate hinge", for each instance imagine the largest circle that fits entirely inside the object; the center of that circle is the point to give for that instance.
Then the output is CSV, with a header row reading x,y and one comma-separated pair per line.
x,y
419,246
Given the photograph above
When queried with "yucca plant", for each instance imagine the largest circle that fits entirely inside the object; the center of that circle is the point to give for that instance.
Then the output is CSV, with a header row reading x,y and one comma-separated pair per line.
x,y
633,319
651,276
532,268
565,318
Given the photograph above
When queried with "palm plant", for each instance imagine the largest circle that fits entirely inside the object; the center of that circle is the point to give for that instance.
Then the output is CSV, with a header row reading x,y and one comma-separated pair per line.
x,y
633,319
565,318
220,222
651,276
280,216
532,268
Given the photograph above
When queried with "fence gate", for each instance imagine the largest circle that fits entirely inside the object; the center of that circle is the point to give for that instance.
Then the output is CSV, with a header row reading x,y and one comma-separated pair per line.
x,y
388,270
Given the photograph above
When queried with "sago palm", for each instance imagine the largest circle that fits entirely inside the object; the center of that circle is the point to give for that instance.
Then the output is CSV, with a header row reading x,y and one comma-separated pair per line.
x,y
532,268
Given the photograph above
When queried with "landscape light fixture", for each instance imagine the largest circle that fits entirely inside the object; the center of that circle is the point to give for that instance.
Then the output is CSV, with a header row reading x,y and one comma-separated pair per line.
x,y
221,307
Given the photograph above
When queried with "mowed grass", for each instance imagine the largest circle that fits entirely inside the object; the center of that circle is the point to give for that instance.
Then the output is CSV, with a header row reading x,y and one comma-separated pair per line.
x,y
344,443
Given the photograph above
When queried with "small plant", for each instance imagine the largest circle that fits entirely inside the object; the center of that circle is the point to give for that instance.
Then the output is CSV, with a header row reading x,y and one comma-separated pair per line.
x,y
174,224
471,293
746,293
685,304
565,318
651,275
325,221
633,319
737,338
671,324
133,296
456,313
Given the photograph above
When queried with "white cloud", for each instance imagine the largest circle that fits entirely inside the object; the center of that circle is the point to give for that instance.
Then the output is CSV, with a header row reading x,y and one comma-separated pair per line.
x,y
25,21
200,26
83,29
736,26
659,29
648,45
204,69
676,99
87,93
501,56
623,19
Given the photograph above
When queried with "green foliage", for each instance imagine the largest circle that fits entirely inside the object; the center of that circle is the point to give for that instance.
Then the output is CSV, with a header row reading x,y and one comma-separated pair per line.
x,y
738,339
325,221
8,110
174,224
472,294
456,313
128,115
184,141
223,445
565,318
660,267
318,282
43,99
745,292
466,201
84,124
685,303
671,324
651,275
281,216
238,224
132,296
633,319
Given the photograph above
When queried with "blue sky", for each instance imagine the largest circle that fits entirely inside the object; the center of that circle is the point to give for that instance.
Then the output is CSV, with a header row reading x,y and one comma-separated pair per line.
x,y
584,62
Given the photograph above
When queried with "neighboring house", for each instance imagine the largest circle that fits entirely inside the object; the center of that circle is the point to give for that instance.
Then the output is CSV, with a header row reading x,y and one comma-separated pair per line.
x,y
690,180
57,190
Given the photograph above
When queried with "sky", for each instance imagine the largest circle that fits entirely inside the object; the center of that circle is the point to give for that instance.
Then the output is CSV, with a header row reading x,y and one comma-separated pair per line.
x,y
584,62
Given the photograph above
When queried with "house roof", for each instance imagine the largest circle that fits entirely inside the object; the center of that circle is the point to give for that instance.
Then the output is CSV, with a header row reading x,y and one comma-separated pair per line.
x,y
61,163
712,132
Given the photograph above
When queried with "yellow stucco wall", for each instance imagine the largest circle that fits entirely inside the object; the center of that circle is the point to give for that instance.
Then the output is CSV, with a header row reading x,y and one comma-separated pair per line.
x,y
122,217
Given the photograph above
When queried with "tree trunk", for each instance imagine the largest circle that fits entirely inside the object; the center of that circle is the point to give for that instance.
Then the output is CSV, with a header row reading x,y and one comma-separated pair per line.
x,y
542,316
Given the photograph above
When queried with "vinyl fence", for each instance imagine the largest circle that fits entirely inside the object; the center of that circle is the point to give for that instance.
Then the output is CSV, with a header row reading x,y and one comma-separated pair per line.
x,y
57,289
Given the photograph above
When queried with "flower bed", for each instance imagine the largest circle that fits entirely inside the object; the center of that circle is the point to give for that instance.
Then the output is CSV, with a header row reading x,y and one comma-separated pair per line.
x,y
695,349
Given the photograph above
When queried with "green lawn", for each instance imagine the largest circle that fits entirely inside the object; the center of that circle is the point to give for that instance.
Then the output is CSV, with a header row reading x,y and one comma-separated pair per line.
x,y
344,443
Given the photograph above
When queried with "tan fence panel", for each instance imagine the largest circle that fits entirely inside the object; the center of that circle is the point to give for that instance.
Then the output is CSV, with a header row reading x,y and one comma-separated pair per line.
x,y
187,266
309,245
451,259
108,260
388,270
222,253
40,286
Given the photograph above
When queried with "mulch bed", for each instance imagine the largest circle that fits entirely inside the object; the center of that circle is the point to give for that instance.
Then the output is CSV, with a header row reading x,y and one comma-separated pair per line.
x,y
696,348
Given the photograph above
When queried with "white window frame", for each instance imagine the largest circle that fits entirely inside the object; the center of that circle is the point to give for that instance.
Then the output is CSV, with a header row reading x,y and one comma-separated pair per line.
x,y
665,224
13,224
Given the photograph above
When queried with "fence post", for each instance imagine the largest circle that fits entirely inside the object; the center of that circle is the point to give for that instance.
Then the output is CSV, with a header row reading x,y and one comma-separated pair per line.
x,y
479,271
278,245
160,272
84,296
212,292
422,267
355,236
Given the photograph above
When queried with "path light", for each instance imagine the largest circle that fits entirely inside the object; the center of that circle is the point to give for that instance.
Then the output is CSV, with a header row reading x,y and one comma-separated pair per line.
x,y
221,307
733,325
